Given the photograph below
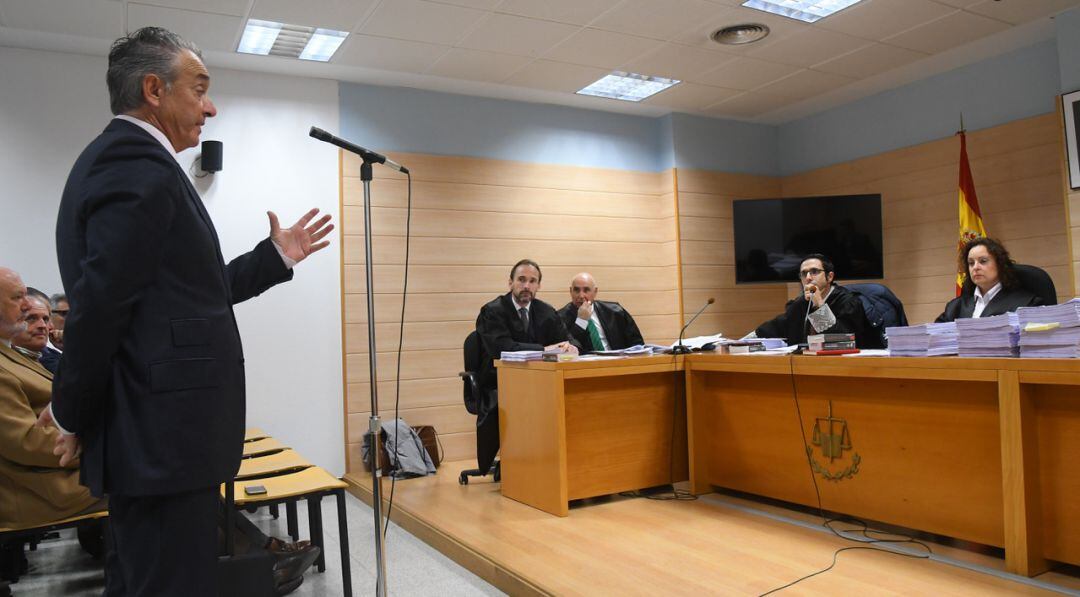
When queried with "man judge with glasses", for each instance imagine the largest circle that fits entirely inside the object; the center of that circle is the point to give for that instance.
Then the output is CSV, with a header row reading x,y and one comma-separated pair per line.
x,y
823,308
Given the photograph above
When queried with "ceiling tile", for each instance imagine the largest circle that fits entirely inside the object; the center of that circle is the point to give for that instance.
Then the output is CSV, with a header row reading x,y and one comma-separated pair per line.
x,y
343,15
779,27
208,31
603,49
103,19
385,53
960,3
805,84
574,12
658,19
417,20
677,62
690,97
508,34
869,61
555,76
236,8
747,73
748,105
478,4
948,32
877,19
477,65
808,47
1018,13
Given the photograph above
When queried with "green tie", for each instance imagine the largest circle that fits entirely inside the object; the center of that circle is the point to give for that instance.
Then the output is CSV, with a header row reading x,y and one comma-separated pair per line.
x,y
594,335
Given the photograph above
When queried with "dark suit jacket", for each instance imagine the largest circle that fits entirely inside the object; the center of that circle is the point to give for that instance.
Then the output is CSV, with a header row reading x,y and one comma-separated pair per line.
x,y
152,378
500,329
619,327
846,307
1007,299
50,359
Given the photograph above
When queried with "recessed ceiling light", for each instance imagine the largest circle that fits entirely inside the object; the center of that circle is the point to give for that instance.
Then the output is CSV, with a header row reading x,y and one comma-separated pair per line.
x,y
630,87
802,10
293,41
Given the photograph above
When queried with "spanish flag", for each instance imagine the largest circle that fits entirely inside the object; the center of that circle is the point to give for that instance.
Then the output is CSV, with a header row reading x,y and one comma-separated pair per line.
x,y
971,224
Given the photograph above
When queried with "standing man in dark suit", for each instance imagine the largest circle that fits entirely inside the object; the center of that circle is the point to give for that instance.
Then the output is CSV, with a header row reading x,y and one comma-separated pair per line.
x,y
151,385
516,320
597,325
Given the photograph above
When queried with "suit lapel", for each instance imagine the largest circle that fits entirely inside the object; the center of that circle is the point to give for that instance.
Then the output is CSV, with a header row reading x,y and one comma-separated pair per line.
x,y
607,322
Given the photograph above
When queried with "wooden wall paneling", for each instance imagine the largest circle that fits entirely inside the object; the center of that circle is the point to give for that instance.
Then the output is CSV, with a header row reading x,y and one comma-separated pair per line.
x,y
471,219
1018,174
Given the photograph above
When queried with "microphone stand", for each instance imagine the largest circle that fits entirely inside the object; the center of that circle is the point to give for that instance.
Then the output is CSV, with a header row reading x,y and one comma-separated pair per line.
x,y
374,424
681,348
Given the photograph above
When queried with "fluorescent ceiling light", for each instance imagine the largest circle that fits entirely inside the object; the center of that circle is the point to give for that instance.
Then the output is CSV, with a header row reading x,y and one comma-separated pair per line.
x,y
802,10
292,41
323,44
630,87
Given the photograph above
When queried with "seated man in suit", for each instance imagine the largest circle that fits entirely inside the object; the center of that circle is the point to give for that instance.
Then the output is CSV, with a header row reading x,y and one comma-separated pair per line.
x,y
33,342
823,308
990,284
516,320
60,308
34,488
597,325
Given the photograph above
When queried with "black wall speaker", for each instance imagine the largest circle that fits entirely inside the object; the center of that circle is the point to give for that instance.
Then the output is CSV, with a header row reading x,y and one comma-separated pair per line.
x,y
211,156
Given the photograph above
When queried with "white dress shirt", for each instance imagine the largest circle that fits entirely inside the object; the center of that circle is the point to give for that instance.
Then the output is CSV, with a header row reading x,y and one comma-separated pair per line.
x,y
982,300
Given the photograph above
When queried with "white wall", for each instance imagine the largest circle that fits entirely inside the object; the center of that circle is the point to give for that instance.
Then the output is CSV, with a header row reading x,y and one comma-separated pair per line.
x,y
52,105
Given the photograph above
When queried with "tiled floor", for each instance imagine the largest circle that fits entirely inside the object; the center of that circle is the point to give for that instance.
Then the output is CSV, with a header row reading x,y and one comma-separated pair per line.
x,y
60,567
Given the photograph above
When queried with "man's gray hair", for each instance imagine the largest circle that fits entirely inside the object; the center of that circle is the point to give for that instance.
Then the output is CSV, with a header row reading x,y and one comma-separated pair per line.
x,y
57,298
39,295
148,51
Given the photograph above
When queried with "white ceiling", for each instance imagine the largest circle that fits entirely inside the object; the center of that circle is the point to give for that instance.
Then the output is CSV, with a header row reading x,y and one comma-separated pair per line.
x,y
545,50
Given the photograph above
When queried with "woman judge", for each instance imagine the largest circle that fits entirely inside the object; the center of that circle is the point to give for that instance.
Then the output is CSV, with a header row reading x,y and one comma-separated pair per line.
x,y
990,286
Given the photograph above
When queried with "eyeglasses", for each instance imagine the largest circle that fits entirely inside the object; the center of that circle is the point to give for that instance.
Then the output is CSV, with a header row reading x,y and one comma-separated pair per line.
x,y
810,272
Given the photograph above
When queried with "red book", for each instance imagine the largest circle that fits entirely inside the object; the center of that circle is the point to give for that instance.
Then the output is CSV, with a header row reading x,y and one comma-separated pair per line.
x,y
830,352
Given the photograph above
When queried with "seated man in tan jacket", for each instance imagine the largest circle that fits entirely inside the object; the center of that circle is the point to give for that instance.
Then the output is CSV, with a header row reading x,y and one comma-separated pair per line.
x,y
34,488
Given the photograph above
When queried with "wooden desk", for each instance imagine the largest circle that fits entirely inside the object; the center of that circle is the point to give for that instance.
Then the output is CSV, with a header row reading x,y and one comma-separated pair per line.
x,y
587,428
981,449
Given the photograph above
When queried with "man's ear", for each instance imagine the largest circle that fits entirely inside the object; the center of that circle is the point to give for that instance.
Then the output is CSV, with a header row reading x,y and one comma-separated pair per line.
x,y
830,277
153,89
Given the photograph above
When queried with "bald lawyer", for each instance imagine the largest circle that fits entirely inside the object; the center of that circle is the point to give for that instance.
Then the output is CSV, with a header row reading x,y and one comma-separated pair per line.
x,y
597,325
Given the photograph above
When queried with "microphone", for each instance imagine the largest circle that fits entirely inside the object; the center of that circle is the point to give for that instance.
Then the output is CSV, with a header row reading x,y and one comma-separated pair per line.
x,y
681,348
366,154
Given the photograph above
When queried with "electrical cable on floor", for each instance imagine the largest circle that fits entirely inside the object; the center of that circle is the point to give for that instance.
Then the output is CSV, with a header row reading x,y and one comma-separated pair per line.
x,y
827,522
401,341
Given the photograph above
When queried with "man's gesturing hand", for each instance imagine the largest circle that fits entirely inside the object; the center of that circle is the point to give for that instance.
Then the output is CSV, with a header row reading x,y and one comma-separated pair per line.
x,y
302,238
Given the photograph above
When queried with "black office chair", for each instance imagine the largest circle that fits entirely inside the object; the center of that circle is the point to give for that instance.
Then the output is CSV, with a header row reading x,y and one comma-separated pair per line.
x,y
485,405
1037,281
883,309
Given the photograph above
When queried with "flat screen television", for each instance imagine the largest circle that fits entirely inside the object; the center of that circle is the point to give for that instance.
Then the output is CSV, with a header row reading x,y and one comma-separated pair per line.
x,y
772,236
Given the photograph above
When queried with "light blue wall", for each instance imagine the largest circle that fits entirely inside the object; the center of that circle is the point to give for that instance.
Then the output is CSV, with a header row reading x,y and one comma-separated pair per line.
x,y
992,92
410,120
1068,47
724,145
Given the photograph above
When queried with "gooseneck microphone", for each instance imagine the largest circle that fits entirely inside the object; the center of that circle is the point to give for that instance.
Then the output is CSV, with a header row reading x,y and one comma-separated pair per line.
x,y
681,348
366,154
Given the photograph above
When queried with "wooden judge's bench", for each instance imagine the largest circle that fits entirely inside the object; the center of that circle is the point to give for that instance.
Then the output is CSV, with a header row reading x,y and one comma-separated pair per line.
x,y
985,450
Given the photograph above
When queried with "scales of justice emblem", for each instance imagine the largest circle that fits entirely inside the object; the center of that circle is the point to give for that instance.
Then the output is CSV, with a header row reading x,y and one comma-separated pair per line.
x,y
831,434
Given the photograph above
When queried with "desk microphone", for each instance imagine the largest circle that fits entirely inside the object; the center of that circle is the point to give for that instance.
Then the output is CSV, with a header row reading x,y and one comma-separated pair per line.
x,y
681,348
366,154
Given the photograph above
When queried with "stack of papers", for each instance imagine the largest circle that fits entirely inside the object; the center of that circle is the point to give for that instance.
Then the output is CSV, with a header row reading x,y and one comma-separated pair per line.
x,y
926,340
1050,332
518,356
638,350
994,336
